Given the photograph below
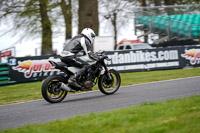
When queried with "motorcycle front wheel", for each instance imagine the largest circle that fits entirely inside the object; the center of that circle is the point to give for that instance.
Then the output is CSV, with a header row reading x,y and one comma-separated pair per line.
x,y
51,90
110,82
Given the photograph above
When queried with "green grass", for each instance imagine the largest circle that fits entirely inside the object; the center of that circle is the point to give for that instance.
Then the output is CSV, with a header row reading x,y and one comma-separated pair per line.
x,y
173,116
31,91
150,76
20,92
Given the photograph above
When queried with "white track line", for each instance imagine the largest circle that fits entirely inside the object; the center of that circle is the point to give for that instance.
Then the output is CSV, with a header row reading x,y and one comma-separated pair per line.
x,y
162,81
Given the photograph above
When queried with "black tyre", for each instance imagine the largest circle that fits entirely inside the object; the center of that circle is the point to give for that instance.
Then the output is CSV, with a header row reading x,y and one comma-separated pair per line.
x,y
109,84
51,90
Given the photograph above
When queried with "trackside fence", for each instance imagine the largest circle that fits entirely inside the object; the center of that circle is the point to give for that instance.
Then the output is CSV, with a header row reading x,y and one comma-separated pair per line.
x,y
37,68
4,78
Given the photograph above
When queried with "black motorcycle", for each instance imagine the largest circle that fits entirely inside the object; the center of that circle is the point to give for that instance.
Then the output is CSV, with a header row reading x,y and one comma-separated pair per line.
x,y
55,88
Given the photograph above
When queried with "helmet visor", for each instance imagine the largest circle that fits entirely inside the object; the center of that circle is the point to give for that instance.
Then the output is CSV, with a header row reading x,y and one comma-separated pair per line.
x,y
92,35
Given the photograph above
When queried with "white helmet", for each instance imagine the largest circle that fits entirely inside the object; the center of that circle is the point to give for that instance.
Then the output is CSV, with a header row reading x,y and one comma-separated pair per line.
x,y
89,33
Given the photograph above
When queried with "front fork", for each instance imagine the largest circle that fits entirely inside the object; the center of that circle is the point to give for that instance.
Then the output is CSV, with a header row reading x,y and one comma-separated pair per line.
x,y
107,71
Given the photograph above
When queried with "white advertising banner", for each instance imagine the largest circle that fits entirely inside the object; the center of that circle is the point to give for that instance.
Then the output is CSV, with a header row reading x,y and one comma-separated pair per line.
x,y
7,53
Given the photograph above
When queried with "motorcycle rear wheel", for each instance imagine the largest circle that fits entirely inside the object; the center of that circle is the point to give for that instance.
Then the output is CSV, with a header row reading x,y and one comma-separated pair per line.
x,y
51,90
110,85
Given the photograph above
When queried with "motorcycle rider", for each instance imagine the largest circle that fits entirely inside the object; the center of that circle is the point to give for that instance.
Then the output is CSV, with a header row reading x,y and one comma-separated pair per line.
x,y
79,43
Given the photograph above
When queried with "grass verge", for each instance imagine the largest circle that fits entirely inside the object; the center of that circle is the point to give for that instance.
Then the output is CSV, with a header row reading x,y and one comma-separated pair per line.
x,y
174,116
31,91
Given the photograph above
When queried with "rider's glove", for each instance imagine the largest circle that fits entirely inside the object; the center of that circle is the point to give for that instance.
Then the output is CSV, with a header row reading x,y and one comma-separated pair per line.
x,y
94,56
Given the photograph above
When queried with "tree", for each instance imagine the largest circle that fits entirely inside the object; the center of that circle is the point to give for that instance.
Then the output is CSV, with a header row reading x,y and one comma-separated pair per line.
x,y
144,4
88,15
30,17
20,15
186,1
167,3
46,28
67,14
116,12
157,3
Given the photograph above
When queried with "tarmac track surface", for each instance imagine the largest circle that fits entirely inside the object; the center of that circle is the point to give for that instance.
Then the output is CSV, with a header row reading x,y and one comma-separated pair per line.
x,y
39,111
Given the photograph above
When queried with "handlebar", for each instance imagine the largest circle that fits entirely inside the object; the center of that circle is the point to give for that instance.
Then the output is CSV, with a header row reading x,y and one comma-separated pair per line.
x,y
102,55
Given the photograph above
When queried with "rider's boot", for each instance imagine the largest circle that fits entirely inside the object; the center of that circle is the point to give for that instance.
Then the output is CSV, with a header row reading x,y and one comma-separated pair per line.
x,y
73,81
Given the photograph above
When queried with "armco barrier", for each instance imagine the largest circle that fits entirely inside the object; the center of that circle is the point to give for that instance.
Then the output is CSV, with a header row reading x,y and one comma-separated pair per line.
x,y
4,74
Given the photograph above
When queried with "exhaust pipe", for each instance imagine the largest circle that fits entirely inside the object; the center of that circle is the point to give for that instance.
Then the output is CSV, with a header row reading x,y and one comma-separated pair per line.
x,y
66,87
